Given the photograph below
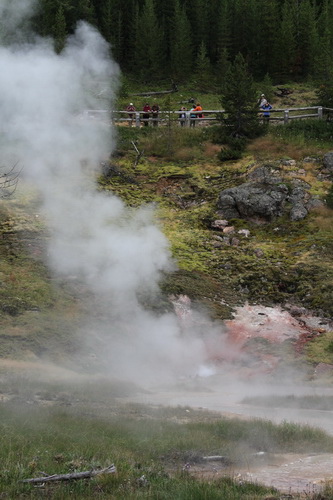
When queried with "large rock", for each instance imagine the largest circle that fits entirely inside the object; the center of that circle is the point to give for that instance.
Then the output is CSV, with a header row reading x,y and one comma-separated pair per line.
x,y
253,199
266,197
328,163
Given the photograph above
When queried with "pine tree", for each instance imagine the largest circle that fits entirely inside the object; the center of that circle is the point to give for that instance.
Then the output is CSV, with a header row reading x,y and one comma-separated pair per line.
x,y
239,100
223,37
181,55
306,37
268,35
59,32
148,44
285,56
196,13
106,19
221,66
203,70
165,14
323,52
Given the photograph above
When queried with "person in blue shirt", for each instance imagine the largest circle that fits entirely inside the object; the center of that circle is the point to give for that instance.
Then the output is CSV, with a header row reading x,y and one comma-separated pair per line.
x,y
266,107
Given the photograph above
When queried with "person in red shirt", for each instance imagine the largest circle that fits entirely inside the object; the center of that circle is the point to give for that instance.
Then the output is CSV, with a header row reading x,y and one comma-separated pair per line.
x,y
146,114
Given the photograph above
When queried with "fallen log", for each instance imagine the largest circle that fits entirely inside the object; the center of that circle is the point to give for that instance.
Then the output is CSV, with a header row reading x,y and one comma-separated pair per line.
x,y
216,458
74,476
161,92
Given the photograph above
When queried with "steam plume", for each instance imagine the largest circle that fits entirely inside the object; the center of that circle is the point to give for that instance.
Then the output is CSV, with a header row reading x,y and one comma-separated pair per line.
x,y
118,253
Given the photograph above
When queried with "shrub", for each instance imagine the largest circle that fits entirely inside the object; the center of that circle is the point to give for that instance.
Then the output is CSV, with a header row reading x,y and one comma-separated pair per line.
x,y
329,197
229,154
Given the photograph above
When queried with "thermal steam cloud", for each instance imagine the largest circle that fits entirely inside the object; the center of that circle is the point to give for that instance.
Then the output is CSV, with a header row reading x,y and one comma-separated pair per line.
x,y
115,251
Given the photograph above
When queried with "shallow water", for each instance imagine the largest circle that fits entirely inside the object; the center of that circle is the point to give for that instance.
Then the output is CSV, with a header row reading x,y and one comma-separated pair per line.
x,y
222,385
286,472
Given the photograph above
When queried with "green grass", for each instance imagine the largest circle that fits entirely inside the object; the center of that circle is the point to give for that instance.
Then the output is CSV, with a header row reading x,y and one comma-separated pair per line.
x,y
149,446
317,132
324,403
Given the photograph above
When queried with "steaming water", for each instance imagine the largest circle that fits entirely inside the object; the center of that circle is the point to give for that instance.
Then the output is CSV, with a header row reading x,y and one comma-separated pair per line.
x,y
119,254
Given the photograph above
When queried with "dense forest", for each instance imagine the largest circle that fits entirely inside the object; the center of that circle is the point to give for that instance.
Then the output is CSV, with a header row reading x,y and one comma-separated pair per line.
x,y
155,39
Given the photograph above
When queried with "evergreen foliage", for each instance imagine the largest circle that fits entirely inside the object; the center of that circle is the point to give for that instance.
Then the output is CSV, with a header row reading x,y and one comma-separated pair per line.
x,y
239,100
286,39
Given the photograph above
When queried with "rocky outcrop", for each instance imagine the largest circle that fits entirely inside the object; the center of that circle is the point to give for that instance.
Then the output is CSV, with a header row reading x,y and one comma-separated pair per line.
x,y
266,196
328,163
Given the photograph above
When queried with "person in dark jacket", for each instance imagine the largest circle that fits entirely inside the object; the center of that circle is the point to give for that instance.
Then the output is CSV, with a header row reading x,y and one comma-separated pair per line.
x,y
182,116
146,114
155,110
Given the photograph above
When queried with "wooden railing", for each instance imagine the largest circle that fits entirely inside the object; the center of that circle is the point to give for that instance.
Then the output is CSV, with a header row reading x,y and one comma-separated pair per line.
x,y
208,115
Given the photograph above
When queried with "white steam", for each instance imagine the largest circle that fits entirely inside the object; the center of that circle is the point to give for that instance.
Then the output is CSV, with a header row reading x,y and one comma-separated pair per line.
x,y
117,253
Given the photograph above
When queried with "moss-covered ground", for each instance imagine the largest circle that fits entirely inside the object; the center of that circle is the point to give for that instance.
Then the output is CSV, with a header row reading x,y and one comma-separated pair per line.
x,y
180,174
56,428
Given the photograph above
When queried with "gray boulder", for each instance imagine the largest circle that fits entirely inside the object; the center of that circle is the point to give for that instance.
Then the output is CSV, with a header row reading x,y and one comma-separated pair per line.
x,y
328,162
266,196
298,212
253,199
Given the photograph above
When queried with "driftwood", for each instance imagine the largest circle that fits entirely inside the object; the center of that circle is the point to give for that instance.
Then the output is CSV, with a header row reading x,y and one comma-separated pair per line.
x,y
138,154
282,92
74,476
216,458
160,92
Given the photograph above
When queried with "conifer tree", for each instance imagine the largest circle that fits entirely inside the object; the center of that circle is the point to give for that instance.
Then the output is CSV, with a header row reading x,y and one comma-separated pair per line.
x,y
181,54
323,53
223,38
106,20
268,34
148,44
221,66
165,14
285,56
59,32
203,70
307,38
239,100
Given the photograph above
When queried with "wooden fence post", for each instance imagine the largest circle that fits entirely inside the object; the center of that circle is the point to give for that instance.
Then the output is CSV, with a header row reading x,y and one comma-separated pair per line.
x,y
137,119
320,113
286,116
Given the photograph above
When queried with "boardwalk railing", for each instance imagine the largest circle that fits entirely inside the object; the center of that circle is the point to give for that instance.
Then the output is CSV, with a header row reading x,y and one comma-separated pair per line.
x,y
186,118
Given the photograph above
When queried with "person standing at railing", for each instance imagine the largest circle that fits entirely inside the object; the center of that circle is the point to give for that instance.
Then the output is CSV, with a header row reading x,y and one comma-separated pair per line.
x,y
195,113
146,114
130,107
155,110
192,117
266,111
182,116
262,100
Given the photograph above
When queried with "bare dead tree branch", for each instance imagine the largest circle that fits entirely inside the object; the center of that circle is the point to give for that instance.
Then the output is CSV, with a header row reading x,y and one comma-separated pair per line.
x,y
74,476
8,180
139,154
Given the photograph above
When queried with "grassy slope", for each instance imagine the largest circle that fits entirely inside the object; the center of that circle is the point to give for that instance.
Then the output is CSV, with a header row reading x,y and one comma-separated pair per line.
x,y
180,173
184,177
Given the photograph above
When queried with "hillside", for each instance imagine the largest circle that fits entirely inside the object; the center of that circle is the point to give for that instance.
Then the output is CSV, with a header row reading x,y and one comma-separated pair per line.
x,y
275,262
93,373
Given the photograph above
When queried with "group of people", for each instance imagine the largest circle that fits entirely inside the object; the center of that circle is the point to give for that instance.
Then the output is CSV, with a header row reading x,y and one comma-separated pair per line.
x,y
153,112
195,112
